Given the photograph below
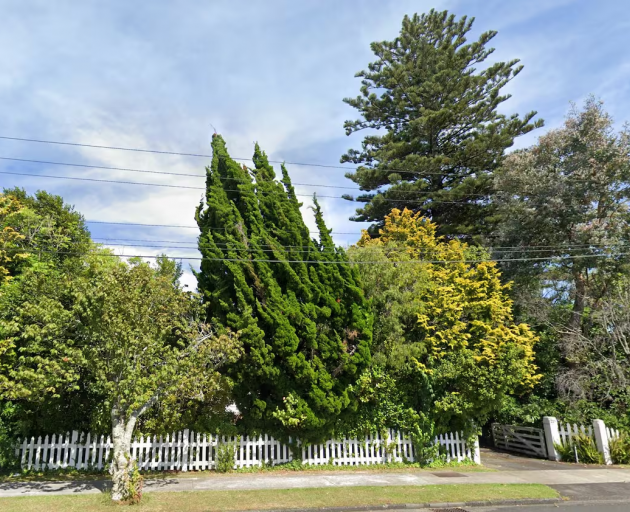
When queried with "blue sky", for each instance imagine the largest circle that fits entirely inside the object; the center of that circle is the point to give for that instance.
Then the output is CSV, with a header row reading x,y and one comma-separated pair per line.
x,y
160,74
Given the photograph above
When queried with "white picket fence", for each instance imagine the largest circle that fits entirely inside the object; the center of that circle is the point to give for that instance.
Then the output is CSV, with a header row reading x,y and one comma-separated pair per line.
x,y
557,433
568,431
612,433
184,451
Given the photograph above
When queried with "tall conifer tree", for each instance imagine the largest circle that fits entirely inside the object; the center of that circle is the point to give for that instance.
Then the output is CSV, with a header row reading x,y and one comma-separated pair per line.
x,y
304,321
436,99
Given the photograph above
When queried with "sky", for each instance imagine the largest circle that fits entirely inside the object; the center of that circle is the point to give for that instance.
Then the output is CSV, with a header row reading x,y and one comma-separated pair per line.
x,y
166,75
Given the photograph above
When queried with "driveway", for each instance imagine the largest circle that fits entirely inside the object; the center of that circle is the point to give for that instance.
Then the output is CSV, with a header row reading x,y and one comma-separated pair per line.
x,y
502,461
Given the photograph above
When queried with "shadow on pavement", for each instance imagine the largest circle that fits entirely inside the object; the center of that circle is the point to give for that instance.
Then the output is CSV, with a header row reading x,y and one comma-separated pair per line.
x,y
25,488
503,461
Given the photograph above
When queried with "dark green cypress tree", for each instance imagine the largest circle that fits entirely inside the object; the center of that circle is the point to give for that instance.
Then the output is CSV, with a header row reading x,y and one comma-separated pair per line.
x,y
304,320
437,100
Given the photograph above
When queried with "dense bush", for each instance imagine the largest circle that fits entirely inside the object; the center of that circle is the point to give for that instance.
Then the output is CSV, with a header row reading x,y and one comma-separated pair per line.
x,y
581,448
620,449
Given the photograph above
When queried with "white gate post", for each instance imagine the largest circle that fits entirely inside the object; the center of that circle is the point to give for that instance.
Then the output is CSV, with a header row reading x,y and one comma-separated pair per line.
x,y
552,437
476,452
601,440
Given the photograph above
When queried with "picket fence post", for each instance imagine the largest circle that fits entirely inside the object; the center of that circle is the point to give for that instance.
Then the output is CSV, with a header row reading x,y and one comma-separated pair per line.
x,y
601,440
185,451
476,451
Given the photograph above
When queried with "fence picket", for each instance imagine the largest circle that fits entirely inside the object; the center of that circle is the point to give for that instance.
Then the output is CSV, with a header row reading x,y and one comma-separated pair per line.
x,y
187,451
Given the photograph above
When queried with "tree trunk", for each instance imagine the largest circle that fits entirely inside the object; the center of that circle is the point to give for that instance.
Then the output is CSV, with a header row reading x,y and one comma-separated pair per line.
x,y
122,431
579,303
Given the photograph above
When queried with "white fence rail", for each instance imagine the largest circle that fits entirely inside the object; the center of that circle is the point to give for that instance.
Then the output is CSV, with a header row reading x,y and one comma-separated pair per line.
x,y
557,433
527,440
184,451
612,433
568,432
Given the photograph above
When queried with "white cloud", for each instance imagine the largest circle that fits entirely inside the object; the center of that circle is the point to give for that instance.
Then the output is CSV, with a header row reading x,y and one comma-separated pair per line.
x,y
159,76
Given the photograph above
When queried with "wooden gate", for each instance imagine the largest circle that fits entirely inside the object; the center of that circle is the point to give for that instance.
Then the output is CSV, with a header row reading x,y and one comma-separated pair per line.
x,y
527,440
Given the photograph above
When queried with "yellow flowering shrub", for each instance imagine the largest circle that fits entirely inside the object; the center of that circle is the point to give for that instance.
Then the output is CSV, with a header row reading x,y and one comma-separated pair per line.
x,y
465,353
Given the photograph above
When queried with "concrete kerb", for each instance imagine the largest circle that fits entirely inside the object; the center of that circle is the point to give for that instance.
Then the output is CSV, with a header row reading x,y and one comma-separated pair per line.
x,y
415,506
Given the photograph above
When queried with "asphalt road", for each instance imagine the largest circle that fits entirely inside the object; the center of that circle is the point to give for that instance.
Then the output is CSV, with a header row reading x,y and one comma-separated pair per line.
x,y
567,506
607,497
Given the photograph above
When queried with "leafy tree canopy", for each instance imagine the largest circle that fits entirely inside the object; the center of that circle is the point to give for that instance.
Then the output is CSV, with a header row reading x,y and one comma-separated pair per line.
x,y
10,238
446,330
437,100
44,229
564,207
568,197
44,242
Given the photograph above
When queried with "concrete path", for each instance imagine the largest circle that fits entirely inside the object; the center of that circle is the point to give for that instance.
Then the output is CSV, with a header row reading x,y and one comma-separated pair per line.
x,y
328,479
502,461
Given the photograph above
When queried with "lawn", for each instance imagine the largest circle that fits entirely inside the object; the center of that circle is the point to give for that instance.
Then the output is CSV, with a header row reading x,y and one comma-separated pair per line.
x,y
209,501
74,475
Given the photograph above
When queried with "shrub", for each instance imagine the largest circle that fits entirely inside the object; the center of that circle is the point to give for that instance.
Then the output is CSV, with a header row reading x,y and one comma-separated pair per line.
x,y
620,449
133,483
424,445
226,457
581,448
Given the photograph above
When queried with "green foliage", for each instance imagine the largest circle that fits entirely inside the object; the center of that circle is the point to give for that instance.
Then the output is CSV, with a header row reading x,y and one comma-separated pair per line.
x,y
297,465
380,405
10,238
451,345
133,484
620,449
305,327
8,460
423,435
38,353
581,446
569,193
566,451
49,230
225,456
437,100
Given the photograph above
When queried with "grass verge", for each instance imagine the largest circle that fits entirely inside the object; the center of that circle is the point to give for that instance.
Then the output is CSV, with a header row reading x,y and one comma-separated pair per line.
x,y
210,501
66,475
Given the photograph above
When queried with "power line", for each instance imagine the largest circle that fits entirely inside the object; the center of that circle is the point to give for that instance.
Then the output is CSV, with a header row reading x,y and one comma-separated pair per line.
x,y
125,169
200,155
120,182
300,249
187,227
222,178
177,153
518,248
337,262
100,180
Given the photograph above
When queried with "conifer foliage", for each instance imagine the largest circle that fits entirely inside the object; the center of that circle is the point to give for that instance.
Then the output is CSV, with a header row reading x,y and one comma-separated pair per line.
x,y
303,319
438,100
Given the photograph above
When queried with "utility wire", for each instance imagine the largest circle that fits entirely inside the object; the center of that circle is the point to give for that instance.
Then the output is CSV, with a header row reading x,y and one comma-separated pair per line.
x,y
300,249
517,248
197,175
178,153
336,262
188,227
124,169
406,201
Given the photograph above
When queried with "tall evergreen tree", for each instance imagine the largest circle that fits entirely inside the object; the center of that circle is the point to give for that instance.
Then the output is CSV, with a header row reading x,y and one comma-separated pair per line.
x,y
444,135
303,319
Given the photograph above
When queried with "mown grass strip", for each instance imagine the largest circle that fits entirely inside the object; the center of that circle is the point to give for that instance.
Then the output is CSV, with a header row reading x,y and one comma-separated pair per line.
x,y
210,501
